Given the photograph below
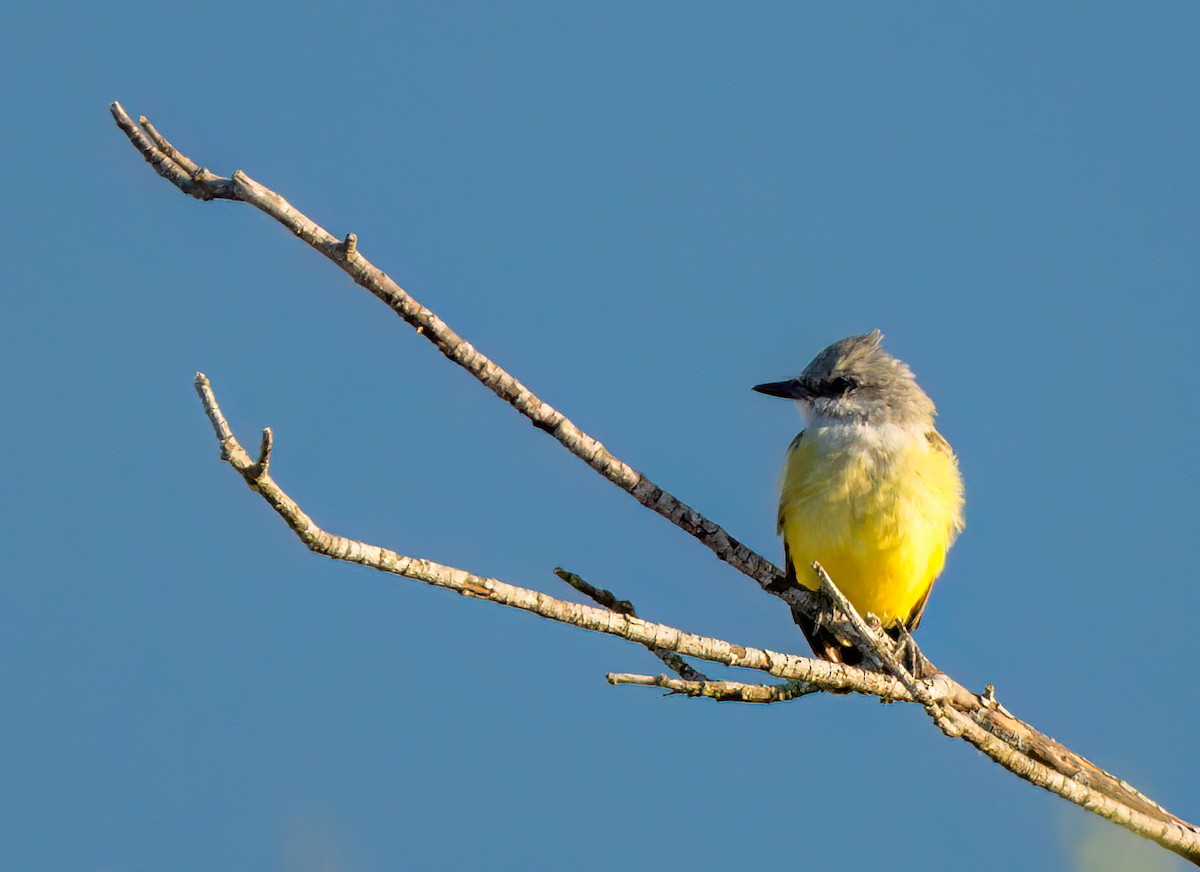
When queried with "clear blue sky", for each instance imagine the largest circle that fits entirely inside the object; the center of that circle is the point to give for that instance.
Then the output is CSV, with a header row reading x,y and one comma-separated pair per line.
x,y
640,210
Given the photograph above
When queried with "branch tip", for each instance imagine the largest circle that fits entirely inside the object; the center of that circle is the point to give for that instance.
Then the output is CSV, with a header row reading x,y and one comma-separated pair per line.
x,y
262,466
599,595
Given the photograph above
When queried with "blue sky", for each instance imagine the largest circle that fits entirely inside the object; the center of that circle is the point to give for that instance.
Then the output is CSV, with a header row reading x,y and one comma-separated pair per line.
x,y
641,211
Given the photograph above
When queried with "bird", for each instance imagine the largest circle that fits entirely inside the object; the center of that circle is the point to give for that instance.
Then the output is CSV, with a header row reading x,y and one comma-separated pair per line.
x,y
870,489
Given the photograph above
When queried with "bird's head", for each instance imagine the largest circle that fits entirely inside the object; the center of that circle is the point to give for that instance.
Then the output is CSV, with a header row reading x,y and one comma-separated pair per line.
x,y
855,381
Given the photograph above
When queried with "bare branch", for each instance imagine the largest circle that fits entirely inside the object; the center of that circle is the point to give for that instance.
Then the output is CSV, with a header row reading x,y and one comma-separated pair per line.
x,y
721,691
184,174
978,719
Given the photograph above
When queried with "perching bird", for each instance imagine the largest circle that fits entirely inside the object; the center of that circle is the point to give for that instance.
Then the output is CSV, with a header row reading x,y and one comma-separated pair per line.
x,y
870,489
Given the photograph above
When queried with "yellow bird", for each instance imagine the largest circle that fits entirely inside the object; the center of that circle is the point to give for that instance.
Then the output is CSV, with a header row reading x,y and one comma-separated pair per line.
x,y
870,488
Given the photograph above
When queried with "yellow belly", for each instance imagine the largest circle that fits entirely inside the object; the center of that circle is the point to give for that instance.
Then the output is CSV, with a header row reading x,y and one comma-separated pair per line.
x,y
878,513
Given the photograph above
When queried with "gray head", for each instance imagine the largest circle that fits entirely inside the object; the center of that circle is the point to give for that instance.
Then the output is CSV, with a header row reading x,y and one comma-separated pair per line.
x,y
856,380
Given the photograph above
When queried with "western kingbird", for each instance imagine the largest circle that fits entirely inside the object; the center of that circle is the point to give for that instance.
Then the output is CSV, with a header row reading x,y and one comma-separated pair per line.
x,y
870,489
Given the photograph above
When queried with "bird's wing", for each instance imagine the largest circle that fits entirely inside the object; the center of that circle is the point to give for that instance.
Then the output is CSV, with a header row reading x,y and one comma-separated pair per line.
x,y
779,518
938,442
914,617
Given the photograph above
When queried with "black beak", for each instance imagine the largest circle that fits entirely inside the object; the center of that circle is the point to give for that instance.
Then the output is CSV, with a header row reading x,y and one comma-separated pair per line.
x,y
791,389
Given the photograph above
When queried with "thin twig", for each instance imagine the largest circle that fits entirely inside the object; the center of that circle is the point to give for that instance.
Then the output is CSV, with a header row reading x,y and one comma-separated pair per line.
x,y
608,600
599,595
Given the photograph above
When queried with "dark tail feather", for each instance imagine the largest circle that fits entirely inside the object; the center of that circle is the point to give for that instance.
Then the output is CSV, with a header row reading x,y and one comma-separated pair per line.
x,y
823,643
826,646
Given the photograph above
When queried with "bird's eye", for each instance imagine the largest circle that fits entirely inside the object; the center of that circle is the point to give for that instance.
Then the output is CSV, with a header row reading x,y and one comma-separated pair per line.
x,y
841,385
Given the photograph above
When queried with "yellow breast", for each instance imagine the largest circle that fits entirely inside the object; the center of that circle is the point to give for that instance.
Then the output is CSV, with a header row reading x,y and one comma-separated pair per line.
x,y
878,507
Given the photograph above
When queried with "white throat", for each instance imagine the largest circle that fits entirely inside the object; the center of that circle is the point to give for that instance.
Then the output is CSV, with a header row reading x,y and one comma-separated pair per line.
x,y
836,431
